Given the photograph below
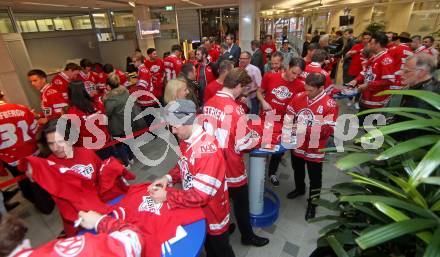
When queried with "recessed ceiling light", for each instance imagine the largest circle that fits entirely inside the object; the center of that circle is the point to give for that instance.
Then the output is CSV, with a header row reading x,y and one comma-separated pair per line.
x,y
132,3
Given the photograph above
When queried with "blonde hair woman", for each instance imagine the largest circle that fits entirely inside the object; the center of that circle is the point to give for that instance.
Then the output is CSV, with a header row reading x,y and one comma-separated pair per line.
x,y
175,89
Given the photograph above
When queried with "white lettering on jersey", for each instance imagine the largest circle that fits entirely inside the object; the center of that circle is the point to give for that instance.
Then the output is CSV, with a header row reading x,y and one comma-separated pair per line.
x,y
149,205
84,170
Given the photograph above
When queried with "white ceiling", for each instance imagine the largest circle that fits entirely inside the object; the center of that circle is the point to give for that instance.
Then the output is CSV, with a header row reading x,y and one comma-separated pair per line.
x,y
82,5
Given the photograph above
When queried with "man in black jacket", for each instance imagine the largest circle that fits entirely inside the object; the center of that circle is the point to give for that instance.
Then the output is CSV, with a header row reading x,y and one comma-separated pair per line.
x,y
417,75
257,57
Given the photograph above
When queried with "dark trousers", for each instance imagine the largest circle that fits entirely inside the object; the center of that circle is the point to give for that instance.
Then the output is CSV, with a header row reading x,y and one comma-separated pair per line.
x,y
124,153
314,170
218,246
106,153
240,202
33,192
275,160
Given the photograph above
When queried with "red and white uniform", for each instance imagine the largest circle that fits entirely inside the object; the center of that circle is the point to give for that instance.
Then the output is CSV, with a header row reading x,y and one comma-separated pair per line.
x,y
145,83
173,65
279,92
114,239
93,132
430,51
399,53
211,89
213,55
18,128
268,50
61,82
379,76
356,60
159,223
226,119
201,170
157,71
102,80
90,81
315,67
52,101
317,118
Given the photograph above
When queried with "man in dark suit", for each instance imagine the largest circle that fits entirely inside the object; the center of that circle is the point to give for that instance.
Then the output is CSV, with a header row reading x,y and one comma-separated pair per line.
x,y
233,49
257,57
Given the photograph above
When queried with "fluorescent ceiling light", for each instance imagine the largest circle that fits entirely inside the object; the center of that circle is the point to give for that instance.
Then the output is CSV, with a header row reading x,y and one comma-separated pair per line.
x,y
55,5
132,3
191,2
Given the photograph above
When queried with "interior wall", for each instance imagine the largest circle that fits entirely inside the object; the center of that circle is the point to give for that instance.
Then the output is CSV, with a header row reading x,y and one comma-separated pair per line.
x,y
362,17
10,78
188,24
116,52
50,50
397,16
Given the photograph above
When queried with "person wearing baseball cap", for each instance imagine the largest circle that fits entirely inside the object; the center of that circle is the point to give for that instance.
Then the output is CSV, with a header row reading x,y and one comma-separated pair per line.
x,y
201,170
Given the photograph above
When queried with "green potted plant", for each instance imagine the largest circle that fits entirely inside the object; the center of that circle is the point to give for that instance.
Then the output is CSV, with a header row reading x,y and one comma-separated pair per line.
x,y
393,208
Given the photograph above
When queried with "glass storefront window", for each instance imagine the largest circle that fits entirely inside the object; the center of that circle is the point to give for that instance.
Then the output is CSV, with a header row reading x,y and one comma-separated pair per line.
x,y
101,20
45,25
229,22
62,23
123,19
28,26
5,23
210,22
81,22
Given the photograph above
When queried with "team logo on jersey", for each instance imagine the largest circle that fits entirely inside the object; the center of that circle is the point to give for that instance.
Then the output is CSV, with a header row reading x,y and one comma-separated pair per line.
x,y
268,50
282,92
149,205
155,69
305,117
387,61
320,109
84,170
208,147
331,103
369,75
70,247
57,82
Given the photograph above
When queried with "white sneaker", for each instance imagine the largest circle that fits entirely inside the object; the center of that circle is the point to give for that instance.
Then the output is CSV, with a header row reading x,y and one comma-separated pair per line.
x,y
131,161
356,106
128,166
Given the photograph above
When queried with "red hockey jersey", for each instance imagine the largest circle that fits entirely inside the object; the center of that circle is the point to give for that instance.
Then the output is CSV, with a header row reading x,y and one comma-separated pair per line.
x,y
69,189
52,101
18,128
315,119
225,118
315,67
114,239
157,71
161,226
211,89
213,55
201,170
93,133
379,76
173,65
356,60
399,53
145,84
268,50
102,81
279,92
90,81
61,82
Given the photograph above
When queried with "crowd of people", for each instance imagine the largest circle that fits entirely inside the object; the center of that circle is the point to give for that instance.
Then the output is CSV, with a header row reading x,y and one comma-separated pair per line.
x,y
214,82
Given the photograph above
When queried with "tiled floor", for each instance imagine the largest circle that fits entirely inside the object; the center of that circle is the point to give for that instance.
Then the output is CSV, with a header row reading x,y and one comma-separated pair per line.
x,y
290,236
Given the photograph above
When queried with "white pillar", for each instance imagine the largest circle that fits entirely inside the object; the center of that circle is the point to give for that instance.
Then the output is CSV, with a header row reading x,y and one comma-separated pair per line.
x,y
246,27
141,14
